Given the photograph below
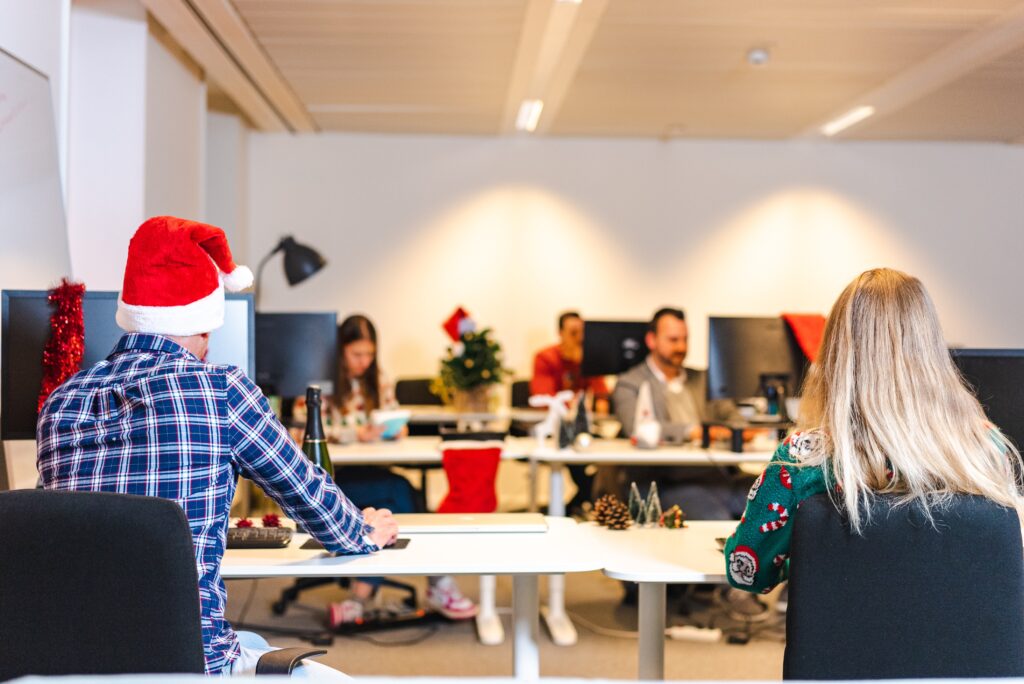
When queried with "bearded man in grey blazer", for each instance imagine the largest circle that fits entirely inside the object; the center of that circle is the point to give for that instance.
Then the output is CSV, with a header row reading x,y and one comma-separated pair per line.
x,y
679,398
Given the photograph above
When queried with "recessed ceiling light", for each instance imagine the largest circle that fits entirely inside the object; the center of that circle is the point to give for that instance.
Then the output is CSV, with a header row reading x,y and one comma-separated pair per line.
x,y
568,2
848,119
529,115
758,56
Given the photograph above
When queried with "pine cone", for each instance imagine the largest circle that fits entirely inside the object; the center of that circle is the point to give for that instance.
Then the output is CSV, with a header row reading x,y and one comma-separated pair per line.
x,y
611,512
601,508
618,518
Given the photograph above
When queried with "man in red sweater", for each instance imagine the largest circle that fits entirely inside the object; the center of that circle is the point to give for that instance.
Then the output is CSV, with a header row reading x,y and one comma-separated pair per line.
x,y
557,368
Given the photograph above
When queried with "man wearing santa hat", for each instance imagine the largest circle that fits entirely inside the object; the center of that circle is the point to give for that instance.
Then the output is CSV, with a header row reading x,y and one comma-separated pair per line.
x,y
155,419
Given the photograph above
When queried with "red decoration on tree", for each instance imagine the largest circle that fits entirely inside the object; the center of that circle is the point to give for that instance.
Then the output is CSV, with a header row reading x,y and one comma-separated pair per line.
x,y
271,520
244,522
62,356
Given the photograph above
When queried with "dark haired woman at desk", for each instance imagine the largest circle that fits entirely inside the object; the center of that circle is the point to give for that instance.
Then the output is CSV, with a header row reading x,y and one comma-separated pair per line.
x,y
361,389
884,412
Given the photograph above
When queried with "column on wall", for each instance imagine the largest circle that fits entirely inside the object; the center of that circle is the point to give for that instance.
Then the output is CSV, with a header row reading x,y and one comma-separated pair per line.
x,y
137,131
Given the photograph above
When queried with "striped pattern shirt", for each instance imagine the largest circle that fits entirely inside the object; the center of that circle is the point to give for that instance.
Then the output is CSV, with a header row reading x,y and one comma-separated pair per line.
x,y
154,420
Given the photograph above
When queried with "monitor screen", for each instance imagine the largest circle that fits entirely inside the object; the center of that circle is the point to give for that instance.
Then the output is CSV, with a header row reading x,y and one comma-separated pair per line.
x,y
612,347
997,378
743,350
295,350
26,329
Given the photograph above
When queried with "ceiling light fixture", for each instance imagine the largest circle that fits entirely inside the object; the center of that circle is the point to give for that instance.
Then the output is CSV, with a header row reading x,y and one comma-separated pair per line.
x,y
568,2
529,115
758,57
848,119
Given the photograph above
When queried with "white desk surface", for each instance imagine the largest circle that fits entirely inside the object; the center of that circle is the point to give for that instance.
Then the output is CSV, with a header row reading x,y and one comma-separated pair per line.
x,y
621,451
685,556
410,450
426,450
561,549
430,414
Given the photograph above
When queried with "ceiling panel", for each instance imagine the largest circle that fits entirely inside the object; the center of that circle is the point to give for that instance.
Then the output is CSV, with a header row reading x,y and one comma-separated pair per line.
x,y
425,66
986,105
656,67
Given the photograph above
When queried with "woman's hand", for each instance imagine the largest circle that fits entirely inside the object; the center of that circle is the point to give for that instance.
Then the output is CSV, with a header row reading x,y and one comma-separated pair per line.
x,y
369,433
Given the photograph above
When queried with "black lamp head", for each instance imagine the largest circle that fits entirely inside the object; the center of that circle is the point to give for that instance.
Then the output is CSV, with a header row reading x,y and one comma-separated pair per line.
x,y
300,261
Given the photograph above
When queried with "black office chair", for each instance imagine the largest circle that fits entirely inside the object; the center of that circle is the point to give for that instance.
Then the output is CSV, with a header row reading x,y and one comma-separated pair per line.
x,y
97,583
905,600
520,398
520,394
416,391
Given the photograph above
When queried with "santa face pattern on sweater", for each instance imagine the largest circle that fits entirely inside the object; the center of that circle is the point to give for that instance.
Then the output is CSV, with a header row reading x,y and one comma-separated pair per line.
x,y
743,565
803,444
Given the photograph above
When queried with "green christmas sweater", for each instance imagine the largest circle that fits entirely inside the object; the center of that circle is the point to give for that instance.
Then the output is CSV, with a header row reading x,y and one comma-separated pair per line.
x,y
757,553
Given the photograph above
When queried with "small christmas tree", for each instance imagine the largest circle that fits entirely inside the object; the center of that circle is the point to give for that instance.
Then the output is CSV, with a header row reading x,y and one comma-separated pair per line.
x,y
652,507
581,426
636,505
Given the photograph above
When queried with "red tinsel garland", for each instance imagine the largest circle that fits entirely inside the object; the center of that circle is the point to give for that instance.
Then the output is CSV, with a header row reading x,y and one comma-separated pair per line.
x,y
62,356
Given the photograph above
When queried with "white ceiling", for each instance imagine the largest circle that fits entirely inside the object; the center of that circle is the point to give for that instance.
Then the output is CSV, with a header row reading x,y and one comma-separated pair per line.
x,y
933,69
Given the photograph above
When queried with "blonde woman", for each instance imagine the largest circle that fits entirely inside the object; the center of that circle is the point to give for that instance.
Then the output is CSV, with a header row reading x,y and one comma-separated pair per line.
x,y
884,412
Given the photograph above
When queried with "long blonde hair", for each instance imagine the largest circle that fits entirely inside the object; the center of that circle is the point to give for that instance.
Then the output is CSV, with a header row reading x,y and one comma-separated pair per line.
x,y
893,412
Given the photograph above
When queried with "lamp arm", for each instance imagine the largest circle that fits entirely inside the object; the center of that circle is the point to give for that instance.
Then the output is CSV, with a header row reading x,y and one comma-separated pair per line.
x,y
259,272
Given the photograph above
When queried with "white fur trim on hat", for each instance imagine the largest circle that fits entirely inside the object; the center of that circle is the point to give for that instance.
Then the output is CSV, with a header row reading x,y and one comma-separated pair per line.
x,y
201,316
237,280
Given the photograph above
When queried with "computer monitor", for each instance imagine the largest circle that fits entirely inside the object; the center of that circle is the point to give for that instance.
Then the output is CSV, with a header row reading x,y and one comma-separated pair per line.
x,y
294,350
612,347
743,351
26,330
997,378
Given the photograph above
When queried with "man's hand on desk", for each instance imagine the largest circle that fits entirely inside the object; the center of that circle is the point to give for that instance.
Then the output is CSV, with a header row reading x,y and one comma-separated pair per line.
x,y
385,527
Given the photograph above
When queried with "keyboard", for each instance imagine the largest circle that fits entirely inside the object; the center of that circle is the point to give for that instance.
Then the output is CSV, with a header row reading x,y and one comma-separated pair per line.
x,y
259,537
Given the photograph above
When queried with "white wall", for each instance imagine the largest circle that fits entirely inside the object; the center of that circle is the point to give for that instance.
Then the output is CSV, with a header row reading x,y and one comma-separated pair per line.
x,y
106,165
36,32
227,176
518,229
175,134
137,136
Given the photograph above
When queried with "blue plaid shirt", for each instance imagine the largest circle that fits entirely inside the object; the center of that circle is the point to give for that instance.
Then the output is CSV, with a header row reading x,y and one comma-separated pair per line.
x,y
155,420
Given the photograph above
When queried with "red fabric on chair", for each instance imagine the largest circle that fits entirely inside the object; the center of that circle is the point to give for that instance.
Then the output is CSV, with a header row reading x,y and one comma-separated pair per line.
x,y
472,468
808,330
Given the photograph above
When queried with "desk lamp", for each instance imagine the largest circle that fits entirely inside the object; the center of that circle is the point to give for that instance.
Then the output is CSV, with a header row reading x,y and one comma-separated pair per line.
x,y
300,262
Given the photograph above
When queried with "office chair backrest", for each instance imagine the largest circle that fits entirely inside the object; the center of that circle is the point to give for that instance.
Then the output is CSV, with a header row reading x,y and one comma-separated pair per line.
x,y
416,392
520,394
906,599
96,583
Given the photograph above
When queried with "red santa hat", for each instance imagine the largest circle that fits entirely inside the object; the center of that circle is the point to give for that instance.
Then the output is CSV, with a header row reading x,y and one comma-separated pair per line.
x,y
175,278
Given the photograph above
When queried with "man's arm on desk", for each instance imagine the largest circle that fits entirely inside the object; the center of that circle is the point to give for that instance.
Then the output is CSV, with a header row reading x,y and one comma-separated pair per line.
x,y
265,453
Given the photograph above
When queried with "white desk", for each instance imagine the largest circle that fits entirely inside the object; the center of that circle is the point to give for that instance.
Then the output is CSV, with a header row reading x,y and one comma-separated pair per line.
x,y
619,452
421,451
654,558
427,414
524,556
416,451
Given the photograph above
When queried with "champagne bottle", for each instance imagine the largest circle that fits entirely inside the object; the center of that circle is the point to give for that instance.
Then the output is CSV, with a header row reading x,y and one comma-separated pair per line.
x,y
314,445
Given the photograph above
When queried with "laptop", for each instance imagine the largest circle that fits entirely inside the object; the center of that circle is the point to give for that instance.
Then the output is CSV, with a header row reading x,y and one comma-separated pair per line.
x,y
454,523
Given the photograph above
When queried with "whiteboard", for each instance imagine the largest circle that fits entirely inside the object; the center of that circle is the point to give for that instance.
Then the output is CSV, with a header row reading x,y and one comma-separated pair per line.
x,y
34,252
